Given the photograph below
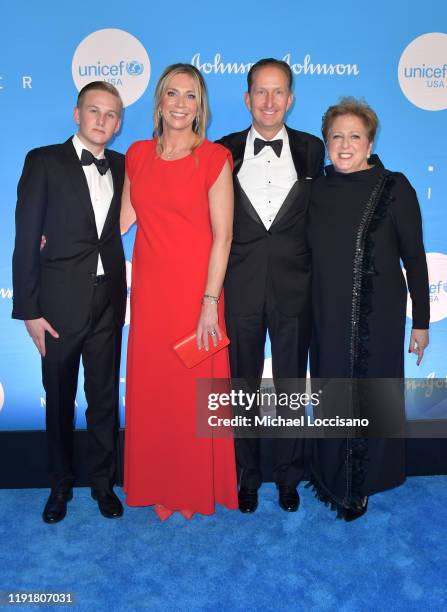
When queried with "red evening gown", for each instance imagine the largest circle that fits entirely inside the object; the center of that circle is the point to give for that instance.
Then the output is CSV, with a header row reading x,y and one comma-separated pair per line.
x,y
165,462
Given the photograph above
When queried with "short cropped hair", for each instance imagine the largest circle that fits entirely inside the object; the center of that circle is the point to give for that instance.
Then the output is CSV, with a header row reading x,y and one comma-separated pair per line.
x,y
349,105
270,61
99,86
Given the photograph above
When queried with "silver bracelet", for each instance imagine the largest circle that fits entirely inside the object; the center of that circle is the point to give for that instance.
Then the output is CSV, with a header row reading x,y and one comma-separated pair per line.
x,y
212,298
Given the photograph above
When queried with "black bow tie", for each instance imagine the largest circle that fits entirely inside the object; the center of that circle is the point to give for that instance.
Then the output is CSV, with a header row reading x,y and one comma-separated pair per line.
x,y
88,158
276,145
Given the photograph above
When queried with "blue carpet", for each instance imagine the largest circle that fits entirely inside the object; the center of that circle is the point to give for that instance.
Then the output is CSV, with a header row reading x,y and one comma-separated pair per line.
x,y
394,557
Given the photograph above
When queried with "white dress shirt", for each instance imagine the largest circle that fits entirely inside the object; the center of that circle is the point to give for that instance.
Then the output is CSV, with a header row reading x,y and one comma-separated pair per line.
x,y
101,191
265,177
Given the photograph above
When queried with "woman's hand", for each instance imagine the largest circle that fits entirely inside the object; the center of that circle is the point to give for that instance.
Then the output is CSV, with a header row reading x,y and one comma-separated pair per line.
x,y
208,326
418,343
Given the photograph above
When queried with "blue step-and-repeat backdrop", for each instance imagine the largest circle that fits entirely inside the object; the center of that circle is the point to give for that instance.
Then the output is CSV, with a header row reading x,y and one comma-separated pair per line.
x,y
394,54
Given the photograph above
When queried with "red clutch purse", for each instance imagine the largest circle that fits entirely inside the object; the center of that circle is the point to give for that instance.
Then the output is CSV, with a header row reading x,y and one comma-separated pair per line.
x,y
187,350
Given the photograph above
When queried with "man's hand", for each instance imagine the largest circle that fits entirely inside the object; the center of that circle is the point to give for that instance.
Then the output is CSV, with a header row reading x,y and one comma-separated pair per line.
x,y
36,329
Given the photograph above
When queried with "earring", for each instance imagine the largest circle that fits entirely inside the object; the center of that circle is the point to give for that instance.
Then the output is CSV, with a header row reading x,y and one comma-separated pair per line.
x,y
195,124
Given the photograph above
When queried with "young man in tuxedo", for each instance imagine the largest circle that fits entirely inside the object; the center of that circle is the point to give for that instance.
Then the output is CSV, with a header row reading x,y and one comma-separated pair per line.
x,y
70,289
267,286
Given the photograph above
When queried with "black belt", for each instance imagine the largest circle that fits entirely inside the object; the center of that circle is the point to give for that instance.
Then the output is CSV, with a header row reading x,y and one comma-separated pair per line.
x,y
98,279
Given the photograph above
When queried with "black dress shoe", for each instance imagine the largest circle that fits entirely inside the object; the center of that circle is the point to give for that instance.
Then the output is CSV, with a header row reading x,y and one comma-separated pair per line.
x,y
289,500
108,503
248,501
352,514
56,506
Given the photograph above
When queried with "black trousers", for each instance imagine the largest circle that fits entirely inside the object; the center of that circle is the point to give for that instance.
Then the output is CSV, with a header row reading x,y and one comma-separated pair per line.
x,y
289,337
99,345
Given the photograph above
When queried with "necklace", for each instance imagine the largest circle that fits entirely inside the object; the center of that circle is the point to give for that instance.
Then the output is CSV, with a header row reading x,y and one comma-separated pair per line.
x,y
174,152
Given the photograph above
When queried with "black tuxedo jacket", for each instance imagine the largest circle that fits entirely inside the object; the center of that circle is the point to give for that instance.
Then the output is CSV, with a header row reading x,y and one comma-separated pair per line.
x,y
56,282
276,260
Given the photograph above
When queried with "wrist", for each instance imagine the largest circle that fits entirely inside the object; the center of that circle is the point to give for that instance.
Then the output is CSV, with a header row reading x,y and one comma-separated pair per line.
x,y
210,299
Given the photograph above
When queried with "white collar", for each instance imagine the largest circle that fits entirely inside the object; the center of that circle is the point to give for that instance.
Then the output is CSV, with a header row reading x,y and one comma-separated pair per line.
x,y
253,133
79,145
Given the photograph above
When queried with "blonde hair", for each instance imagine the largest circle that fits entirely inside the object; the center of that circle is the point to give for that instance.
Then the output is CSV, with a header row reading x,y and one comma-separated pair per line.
x,y
351,106
100,86
200,122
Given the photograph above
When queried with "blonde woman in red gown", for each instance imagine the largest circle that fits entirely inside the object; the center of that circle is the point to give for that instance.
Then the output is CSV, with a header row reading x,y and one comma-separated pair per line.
x,y
179,191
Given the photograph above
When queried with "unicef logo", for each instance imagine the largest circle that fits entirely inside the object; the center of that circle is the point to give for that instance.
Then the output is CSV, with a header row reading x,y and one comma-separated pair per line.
x,y
114,56
422,71
437,287
135,68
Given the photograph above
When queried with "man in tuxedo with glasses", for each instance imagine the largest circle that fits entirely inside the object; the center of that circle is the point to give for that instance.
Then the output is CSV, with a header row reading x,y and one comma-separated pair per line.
x,y
267,285
70,289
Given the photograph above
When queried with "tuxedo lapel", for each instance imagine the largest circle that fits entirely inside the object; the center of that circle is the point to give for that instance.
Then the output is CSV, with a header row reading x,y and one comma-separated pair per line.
x,y
77,177
238,158
237,148
242,197
115,203
288,202
298,150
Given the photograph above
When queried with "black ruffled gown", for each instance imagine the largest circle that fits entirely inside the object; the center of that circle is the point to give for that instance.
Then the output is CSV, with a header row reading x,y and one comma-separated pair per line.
x,y
361,225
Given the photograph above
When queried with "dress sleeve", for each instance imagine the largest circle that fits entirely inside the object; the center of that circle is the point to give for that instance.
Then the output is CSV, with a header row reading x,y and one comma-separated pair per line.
x,y
216,161
131,155
408,222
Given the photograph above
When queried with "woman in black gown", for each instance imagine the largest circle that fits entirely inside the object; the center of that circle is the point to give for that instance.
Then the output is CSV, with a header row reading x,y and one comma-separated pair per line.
x,y
363,221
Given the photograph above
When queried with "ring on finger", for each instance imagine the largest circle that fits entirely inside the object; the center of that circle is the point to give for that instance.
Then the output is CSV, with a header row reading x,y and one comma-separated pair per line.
x,y
212,332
